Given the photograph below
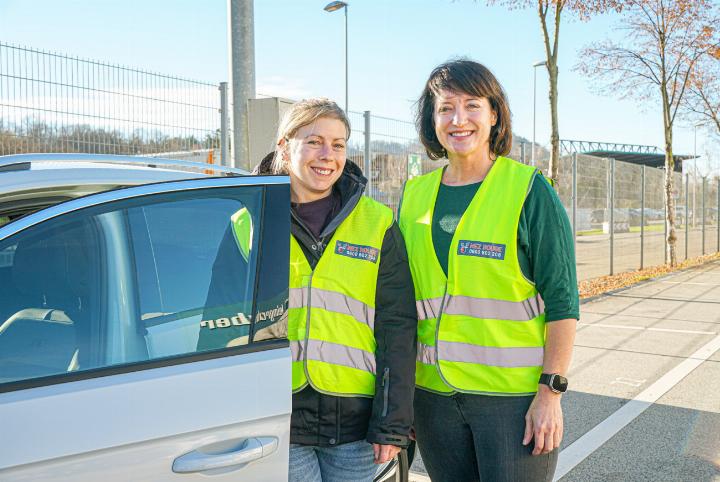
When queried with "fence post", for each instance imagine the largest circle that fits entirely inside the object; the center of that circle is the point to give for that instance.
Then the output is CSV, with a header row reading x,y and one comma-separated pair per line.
x,y
642,216
367,165
224,124
574,198
703,215
665,226
522,153
717,216
612,214
687,221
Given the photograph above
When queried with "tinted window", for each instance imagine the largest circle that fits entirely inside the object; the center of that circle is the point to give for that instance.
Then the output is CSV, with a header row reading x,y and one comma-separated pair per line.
x,y
49,299
133,280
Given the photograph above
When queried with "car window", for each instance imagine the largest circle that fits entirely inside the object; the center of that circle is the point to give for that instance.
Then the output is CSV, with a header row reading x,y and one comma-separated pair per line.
x,y
176,246
136,280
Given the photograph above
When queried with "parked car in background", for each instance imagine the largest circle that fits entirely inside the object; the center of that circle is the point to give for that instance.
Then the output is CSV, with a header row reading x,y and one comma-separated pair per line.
x,y
115,361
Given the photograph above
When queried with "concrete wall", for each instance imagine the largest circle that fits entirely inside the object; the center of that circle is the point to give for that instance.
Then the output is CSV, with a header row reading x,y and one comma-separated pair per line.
x,y
264,117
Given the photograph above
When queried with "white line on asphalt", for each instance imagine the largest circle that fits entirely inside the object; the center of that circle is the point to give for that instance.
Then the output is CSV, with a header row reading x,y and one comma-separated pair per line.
x,y
583,447
687,283
630,327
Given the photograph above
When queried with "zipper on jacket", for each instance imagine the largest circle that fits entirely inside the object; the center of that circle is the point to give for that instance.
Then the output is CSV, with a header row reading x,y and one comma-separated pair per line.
x,y
386,390
316,243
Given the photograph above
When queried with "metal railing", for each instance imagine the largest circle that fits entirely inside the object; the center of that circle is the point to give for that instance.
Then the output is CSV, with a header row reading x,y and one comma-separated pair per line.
x,y
51,102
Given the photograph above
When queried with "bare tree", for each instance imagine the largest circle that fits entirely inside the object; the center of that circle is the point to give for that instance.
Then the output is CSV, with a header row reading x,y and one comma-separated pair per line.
x,y
662,42
549,13
702,102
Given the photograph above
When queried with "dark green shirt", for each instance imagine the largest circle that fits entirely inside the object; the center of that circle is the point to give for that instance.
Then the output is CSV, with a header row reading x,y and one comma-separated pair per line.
x,y
546,251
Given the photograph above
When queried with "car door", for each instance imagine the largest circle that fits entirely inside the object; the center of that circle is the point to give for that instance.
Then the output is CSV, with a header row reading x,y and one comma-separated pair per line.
x,y
143,335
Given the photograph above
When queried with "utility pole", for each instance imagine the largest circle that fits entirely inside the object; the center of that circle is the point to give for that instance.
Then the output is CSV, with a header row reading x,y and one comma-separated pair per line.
x,y
241,45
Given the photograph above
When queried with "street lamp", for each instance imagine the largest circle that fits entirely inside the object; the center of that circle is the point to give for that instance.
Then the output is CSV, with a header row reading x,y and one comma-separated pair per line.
x,y
331,7
535,66
695,163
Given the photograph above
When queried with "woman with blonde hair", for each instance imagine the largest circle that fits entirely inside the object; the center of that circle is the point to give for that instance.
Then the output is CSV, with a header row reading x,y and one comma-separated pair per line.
x,y
351,316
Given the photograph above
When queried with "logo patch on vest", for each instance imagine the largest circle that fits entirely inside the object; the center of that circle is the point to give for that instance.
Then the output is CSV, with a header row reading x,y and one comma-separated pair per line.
x,y
357,251
481,249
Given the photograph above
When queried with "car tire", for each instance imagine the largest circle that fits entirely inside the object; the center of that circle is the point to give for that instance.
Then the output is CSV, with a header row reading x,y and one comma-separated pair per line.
x,y
402,474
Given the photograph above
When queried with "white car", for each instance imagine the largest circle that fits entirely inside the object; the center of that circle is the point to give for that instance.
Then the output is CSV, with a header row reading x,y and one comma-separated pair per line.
x,y
118,359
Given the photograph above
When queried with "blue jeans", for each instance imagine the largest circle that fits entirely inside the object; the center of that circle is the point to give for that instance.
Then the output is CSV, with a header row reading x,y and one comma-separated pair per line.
x,y
477,438
350,462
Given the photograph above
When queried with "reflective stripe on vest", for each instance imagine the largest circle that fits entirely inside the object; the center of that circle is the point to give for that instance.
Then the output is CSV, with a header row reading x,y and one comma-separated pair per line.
x,y
512,357
524,310
334,353
481,328
331,314
335,302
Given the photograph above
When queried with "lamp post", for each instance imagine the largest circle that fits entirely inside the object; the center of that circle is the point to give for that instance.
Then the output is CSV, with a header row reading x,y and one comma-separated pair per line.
x,y
695,126
331,7
535,66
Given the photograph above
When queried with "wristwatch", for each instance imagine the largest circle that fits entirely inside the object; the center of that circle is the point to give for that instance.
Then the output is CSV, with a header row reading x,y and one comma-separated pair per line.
x,y
555,381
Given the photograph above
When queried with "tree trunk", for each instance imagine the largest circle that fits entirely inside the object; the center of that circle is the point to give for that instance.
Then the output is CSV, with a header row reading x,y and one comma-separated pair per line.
x,y
671,251
553,168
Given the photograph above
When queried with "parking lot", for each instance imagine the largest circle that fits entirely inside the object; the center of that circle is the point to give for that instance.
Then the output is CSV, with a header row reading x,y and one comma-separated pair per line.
x,y
593,251
644,399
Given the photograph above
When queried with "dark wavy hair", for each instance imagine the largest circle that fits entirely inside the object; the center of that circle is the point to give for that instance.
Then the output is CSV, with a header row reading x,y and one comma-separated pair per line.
x,y
467,77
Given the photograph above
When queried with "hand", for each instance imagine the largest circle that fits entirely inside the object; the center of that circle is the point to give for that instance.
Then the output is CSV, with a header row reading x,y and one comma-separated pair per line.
x,y
385,453
544,421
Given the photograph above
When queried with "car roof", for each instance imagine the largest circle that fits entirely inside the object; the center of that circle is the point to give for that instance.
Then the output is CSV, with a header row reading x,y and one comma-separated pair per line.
x,y
29,182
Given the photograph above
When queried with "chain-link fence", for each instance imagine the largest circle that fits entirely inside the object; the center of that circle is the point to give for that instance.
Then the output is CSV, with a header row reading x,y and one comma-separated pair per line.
x,y
57,103
52,102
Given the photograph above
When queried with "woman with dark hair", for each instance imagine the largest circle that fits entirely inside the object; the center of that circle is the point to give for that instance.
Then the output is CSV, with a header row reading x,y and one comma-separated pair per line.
x,y
492,259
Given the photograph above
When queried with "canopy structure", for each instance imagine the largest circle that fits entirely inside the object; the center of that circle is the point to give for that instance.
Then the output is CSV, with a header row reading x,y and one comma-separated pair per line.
x,y
633,153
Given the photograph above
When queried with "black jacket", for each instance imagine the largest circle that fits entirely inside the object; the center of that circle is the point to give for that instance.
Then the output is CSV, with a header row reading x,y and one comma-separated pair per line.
x,y
326,420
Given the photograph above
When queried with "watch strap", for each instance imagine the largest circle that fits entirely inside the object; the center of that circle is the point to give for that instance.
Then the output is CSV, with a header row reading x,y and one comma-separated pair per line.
x,y
545,378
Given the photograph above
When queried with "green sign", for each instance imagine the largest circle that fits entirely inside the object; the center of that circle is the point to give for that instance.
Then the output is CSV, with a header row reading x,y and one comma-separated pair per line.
x,y
414,167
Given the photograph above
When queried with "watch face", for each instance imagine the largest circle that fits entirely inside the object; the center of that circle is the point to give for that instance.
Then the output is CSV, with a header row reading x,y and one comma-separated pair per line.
x,y
559,383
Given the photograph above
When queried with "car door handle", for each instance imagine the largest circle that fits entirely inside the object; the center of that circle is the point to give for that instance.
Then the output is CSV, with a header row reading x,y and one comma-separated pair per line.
x,y
252,449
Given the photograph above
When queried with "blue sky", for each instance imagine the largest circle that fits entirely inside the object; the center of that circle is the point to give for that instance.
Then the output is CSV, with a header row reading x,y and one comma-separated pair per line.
x,y
393,46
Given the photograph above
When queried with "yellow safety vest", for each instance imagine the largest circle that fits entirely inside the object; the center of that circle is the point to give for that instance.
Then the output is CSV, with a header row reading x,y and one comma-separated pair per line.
x,y
482,327
242,226
331,311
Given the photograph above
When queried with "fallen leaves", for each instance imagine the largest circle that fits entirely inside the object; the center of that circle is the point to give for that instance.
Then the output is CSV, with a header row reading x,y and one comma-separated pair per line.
x,y
604,284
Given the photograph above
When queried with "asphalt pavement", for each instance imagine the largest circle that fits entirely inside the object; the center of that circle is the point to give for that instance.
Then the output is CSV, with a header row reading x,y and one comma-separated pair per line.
x,y
644,399
593,251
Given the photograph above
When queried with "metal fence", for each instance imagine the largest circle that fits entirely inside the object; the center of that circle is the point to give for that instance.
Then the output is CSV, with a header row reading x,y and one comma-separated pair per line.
x,y
51,102
617,211
388,151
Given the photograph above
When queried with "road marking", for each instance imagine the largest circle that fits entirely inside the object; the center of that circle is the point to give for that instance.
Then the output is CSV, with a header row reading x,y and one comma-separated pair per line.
x,y
687,283
631,327
583,447
628,381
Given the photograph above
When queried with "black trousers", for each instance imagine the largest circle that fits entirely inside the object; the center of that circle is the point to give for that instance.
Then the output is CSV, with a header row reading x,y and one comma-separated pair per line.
x,y
466,438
